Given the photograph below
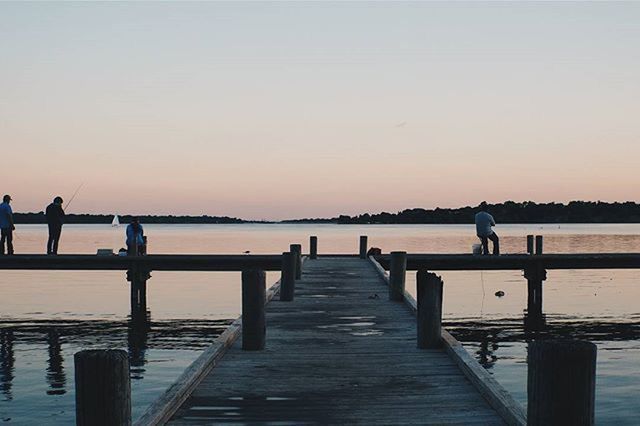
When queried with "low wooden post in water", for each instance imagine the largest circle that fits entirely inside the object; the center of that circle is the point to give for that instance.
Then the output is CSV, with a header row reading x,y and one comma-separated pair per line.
x,y
103,388
561,382
363,246
288,277
297,250
254,292
313,247
429,310
530,244
397,273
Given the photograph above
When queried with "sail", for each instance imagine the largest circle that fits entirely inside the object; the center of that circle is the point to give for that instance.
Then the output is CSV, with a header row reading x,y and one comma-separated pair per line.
x,y
116,221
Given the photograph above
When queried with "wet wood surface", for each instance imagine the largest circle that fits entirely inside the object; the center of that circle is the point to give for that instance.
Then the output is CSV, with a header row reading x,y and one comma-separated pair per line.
x,y
341,352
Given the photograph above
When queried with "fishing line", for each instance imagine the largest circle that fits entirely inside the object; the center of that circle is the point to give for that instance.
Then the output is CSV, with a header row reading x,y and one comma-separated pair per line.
x,y
74,195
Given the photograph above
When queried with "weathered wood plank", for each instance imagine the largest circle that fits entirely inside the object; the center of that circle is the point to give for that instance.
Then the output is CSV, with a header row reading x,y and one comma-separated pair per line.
x,y
340,352
508,408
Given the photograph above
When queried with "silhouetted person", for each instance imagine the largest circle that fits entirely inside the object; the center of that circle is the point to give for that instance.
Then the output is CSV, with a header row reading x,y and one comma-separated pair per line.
x,y
6,224
55,219
135,237
484,222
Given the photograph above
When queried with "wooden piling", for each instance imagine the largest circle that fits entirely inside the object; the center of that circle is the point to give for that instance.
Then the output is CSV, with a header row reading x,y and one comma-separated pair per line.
x,y
530,244
429,310
397,273
538,244
534,275
288,277
363,247
103,388
297,250
561,382
313,247
253,315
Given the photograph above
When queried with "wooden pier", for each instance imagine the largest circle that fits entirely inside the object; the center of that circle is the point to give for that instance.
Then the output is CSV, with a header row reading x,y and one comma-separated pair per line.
x,y
341,341
342,352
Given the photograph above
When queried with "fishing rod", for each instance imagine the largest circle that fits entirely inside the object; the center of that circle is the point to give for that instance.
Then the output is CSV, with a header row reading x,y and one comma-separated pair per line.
x,y
74,195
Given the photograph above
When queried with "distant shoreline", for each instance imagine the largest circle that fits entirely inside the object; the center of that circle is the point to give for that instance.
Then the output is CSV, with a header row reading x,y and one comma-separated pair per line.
x,y
509,212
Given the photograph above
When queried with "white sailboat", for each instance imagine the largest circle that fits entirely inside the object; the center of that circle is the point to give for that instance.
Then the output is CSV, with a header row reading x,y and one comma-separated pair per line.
x,y
116,221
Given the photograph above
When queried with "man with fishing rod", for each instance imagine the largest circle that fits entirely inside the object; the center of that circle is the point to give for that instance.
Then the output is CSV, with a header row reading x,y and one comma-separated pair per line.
x,y
55,219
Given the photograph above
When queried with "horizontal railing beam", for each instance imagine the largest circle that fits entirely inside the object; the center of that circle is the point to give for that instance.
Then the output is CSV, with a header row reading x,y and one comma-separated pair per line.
x,y
468,262
154,262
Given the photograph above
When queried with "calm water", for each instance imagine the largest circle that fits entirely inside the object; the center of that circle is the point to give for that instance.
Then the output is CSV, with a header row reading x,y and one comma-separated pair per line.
x,y
47,316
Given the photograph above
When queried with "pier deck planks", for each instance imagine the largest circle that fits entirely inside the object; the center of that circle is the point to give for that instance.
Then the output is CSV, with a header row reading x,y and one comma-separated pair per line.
x,y
341,352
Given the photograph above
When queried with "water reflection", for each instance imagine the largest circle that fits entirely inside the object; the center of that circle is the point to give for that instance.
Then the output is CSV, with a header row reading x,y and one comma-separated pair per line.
x,y
490,334
7,360
137,337
56,377
138,334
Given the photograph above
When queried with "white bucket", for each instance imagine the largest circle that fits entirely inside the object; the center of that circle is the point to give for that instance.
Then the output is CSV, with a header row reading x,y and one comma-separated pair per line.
x,y
476,249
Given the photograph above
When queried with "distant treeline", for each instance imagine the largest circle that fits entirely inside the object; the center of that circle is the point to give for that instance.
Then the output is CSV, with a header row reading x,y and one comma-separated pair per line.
x,y
102,218
507,212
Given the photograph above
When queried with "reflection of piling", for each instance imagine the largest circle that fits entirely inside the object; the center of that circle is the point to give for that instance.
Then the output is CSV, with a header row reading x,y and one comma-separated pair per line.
x,y
7,361
137,338
56,378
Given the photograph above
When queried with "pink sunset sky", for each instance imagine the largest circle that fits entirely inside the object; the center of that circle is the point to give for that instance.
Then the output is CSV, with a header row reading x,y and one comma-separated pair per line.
x,y
284,110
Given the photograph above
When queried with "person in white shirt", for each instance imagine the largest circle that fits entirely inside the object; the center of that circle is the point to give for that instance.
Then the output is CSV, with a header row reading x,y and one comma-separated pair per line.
x,y
484,224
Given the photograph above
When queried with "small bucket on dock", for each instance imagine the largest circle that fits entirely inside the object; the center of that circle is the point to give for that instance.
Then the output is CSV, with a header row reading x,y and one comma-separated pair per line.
x,y
476,249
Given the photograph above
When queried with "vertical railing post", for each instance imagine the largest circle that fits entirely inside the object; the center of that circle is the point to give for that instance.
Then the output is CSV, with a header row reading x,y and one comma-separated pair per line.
x,y
103,388
253,316
313,247
530,244
297,250
363,246
288,278
561,382
429,310
538,244
397,273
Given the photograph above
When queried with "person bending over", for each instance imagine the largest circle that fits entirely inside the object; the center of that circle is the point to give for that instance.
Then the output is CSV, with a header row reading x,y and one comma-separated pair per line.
x,y
484,224
135,238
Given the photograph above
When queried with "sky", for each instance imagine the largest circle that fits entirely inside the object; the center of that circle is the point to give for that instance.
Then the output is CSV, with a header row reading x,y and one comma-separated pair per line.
x,y
301,109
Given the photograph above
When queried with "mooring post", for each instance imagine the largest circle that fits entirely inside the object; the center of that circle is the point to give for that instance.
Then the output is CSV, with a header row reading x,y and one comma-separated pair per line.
x,y
297,250
253,318
535,274
538,244
313,247
103,388
429,310
561,382
397,273
363,246
530,244
288,277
